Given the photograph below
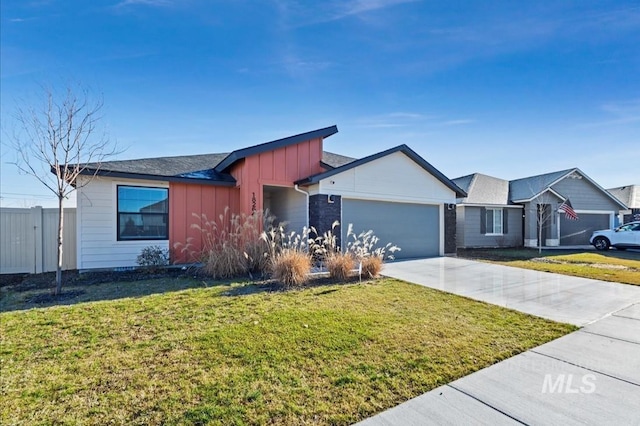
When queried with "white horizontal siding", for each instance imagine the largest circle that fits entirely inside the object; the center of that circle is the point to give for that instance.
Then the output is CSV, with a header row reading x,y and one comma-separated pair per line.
x,y
98,245
290,206
394,177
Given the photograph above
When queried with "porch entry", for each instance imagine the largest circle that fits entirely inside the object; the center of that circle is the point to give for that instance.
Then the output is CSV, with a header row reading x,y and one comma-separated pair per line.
x,y
287,205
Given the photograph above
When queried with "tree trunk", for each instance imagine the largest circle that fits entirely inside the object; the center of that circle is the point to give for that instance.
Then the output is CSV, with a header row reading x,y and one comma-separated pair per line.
x,y
60,231
540,223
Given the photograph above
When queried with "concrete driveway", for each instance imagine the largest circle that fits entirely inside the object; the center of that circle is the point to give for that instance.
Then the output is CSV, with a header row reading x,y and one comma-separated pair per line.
x,y
572,300
591,376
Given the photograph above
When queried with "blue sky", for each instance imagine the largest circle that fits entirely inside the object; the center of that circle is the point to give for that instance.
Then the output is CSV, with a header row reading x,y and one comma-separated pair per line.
x,y
505,88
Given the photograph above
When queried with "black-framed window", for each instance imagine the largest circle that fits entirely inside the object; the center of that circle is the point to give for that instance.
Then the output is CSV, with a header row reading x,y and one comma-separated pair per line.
x,y
143,213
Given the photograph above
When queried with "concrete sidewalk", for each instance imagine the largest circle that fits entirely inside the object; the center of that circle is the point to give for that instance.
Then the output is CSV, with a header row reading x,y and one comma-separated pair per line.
x,y
591,376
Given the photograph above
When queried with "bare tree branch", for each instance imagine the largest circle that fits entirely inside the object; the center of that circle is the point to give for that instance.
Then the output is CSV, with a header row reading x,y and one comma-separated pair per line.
x,y
59,143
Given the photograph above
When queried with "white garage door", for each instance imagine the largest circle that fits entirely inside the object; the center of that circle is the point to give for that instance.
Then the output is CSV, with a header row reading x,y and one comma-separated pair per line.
x,y
415,228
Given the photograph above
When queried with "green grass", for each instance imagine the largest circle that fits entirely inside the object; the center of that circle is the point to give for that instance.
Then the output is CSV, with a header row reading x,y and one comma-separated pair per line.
x,y
616,266
331,354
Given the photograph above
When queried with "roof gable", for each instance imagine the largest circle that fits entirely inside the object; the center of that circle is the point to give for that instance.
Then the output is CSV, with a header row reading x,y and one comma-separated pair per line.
x,y
528,188
401,148
238,155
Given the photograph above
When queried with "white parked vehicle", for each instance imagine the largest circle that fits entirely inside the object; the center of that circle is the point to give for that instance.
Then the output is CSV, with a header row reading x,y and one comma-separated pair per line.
x,y
622,238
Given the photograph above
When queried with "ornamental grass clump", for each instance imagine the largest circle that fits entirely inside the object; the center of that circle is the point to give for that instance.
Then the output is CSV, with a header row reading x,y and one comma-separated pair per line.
x,y
288,254
340,265
368,253
231,244
291,267
325,249
371,266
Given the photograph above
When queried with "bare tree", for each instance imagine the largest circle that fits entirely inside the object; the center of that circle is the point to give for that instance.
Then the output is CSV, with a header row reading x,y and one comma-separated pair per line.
x,y
55,144
545,212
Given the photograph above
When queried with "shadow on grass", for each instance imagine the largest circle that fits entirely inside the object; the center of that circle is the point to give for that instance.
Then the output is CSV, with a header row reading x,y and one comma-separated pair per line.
x,y
273,286
36,291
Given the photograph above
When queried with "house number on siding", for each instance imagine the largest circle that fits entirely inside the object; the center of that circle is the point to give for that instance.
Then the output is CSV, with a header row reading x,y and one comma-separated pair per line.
x,y
253,202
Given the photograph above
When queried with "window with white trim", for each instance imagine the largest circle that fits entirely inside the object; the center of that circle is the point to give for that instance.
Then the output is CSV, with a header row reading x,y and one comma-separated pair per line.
x,y
494,221
143,213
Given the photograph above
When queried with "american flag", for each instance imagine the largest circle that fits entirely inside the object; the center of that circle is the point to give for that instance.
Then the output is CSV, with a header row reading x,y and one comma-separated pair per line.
x,y
568,210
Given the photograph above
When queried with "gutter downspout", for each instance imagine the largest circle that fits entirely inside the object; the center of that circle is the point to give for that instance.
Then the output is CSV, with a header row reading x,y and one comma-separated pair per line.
x,y
307,198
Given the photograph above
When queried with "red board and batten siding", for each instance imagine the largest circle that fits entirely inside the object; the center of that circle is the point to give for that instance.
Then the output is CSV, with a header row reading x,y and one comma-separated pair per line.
x,y
280,167
205,201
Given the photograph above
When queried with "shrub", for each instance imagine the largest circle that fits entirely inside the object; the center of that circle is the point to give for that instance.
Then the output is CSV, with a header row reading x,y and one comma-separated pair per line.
x,y
291,267
153,258
340,265
371,266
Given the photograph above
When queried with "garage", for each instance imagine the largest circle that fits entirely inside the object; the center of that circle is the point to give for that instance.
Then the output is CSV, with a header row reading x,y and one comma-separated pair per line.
x,y
415,228
577,232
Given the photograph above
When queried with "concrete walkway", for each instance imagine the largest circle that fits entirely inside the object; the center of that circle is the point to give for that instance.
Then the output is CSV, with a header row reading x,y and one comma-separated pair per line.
x,y
591,376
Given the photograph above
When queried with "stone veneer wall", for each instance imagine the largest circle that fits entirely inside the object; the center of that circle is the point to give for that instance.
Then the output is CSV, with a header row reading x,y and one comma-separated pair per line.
x,y
322,213
449,229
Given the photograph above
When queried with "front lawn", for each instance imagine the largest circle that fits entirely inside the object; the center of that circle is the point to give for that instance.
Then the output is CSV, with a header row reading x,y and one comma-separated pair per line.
x,y
614,265
331,354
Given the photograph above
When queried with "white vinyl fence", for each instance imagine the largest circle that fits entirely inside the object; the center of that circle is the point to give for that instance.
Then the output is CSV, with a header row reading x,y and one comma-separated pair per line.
x,y
28,240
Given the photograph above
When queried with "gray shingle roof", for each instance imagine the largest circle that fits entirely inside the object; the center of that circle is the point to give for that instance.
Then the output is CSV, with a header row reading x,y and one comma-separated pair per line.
x,y
529,187
164,166
464,182
335,160
483,189
629,195
195,166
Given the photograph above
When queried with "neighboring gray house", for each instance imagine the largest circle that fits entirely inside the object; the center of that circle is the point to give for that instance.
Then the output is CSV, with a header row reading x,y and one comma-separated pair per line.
x,y
485,217
629,195
486,196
